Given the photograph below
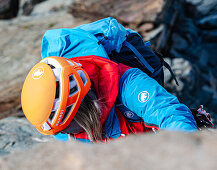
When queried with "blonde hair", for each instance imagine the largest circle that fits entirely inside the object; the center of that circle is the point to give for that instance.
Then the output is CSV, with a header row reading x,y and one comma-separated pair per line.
x,y
88,117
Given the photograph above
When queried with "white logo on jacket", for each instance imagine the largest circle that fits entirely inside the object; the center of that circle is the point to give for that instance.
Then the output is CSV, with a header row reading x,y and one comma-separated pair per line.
x,y
143,96
38,72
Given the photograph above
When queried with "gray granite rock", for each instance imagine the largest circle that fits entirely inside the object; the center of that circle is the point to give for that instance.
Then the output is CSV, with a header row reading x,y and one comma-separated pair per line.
x,y
49,6
133,14
205,7
191,33
26,6
208,22
18,134
165,151
8,9
20,48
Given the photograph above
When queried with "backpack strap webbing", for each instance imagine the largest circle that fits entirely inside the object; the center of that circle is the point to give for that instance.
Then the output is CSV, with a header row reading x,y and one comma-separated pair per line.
x,y
167,66
139,55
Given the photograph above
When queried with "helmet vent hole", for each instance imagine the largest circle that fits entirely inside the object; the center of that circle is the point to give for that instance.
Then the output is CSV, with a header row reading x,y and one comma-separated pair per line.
x,y
71,78
52,115
73,90
83,76
51,66
57,89
68,110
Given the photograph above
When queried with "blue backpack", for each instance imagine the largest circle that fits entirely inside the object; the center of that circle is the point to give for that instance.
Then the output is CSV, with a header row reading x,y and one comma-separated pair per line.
x,y
109,39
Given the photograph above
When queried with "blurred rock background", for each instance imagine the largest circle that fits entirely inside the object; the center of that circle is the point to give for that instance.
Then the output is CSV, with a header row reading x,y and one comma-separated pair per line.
x,y
184,31
165,151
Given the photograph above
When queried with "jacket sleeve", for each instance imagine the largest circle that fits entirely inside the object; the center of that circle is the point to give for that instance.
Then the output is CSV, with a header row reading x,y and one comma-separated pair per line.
x,y
149,100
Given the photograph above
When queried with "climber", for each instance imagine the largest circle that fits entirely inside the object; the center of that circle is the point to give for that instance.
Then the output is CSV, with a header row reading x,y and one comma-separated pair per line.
x,y
103,82
95,99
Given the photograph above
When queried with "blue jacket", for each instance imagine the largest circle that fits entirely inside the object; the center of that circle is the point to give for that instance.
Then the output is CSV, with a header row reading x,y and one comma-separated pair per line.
x,y
143,96
137,91
149,100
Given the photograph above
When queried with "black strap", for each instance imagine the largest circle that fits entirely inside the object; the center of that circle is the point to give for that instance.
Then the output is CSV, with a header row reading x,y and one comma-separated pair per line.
x,y
157,72
139,55
167,66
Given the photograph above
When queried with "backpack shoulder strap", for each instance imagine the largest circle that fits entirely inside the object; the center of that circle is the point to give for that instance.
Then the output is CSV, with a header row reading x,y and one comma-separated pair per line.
x,y
137,53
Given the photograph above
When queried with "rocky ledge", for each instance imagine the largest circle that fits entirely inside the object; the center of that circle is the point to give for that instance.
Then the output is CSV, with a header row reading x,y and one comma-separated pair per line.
x,y
165,151
17,134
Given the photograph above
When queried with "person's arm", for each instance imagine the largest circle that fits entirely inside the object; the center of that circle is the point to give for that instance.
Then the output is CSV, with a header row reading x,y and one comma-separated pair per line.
x,y
149,100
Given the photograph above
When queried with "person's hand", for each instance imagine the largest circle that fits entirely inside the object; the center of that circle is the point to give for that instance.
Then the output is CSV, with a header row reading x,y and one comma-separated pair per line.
x,y
202,118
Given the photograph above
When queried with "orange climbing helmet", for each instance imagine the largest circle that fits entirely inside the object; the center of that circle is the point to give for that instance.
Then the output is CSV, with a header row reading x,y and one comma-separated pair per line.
x,y
52,93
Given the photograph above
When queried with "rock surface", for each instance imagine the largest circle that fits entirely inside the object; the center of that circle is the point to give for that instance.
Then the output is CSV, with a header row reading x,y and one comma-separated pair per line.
x,y
195,41
166,151
138,14
17,134
8,8
26,6
51,6
20,50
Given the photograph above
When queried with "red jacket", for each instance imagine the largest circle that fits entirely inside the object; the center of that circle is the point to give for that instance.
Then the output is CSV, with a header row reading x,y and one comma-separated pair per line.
x,y
105,75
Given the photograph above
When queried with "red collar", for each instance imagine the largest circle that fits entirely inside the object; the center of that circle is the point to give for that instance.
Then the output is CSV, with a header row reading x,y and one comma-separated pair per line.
x,y
105,76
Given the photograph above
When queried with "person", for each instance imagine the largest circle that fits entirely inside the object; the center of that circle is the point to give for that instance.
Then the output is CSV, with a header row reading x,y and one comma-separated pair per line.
x,y
91,99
